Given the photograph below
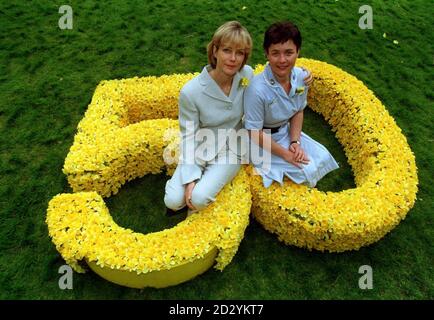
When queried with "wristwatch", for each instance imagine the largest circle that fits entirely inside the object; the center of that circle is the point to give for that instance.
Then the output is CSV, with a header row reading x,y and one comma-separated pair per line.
x,y
295,141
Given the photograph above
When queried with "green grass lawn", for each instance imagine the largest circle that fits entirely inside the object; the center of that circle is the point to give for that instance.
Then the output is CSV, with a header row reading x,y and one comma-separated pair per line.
x,y
48,76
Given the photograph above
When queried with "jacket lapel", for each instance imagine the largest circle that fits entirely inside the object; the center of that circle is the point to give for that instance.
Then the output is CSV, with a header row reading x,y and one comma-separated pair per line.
x,y
210,86
235,86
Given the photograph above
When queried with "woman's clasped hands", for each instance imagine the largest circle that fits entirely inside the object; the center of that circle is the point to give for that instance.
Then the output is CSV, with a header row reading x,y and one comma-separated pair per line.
x,y
296,155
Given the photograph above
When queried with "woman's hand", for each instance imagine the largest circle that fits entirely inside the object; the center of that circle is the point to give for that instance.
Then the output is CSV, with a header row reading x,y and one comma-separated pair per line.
x,y
290,158
299,154
188,192
309,78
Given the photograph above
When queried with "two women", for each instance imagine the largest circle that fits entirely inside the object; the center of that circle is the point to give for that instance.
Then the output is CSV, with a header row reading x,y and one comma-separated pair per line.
x,y
213,101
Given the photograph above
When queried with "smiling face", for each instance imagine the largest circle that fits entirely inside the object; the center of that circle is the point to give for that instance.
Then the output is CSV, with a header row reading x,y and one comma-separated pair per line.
x,y
230,58
282,57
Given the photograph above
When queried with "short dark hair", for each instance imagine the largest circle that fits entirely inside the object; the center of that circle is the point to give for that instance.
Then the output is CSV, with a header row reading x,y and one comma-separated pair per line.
x,y
280,32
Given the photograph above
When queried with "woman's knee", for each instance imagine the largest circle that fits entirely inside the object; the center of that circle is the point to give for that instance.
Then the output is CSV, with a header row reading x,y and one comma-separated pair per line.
x,y
174,193
174,202
207,189
200,198
174,197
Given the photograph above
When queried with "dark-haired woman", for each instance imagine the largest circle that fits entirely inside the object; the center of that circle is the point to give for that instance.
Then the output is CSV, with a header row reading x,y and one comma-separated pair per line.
x,y
273,109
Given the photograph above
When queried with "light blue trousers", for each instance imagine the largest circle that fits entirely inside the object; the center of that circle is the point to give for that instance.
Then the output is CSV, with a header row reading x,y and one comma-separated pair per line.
x,y
214,177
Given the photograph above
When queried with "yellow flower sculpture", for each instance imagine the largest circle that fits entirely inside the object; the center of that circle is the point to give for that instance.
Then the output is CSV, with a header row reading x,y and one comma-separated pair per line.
x,y
130,124
383,164
119,139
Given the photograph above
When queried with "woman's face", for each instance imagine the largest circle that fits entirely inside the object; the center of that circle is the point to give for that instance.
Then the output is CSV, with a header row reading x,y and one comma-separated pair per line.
x,y
282,57
229,58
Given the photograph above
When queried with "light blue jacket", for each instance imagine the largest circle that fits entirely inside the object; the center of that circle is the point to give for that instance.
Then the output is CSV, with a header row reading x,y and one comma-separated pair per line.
x,y
203,104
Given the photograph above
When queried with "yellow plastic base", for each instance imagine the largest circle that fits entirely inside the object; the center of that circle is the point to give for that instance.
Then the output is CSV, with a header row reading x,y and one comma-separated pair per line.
x,y
157,279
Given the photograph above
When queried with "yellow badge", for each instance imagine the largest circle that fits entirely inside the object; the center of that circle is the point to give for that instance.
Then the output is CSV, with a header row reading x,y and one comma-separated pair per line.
x,y
299,90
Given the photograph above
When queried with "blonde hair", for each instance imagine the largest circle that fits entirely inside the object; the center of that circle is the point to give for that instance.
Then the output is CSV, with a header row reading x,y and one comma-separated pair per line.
x,y
230,32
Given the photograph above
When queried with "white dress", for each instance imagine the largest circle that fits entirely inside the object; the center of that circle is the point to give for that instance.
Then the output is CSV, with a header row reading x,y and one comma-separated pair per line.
x,y
266,104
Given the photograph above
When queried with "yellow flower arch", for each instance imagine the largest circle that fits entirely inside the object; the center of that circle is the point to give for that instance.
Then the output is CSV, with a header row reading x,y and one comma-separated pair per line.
x,y
124,134
118,140
384,169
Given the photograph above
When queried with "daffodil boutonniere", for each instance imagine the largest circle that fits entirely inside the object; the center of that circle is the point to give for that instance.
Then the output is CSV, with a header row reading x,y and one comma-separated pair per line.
x,y
299,90
244,82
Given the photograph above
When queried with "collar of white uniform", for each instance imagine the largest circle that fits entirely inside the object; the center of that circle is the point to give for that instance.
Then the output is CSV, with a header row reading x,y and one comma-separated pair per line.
x,y
271,80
